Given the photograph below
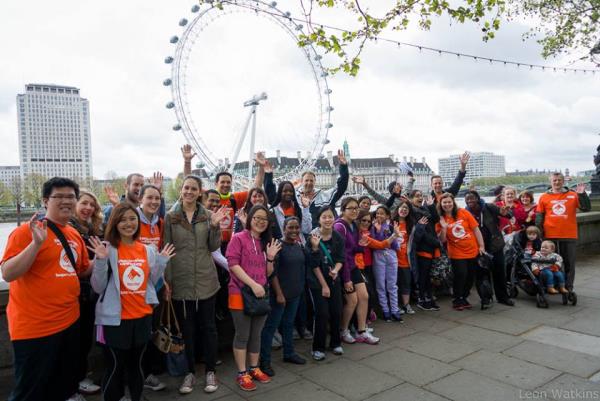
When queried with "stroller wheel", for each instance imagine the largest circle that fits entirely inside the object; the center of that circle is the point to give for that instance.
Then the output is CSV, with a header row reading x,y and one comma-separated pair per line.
x,y
541,301
513,292
573,298
565,299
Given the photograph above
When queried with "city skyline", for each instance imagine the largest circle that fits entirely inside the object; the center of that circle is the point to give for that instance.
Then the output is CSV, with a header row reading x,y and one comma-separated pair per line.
x,y
402,102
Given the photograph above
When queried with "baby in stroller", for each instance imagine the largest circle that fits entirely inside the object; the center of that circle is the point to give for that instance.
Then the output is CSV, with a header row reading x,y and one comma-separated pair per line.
x,y
550,273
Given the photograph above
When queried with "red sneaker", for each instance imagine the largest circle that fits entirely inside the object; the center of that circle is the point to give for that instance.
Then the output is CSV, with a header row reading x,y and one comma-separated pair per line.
x,y
259,375
245,382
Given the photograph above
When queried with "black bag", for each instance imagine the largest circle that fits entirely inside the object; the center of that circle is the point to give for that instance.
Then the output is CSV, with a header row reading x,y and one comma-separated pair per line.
x,y
484,287
254,306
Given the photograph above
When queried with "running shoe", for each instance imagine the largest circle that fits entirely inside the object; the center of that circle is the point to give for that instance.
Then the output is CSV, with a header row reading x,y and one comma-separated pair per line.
x,y
347,337
259,375
244,381
367,338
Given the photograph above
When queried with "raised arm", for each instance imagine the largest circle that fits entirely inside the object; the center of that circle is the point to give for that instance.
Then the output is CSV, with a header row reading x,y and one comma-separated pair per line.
x,y
458,181
20,264
342,181
362,181
585,204
188,154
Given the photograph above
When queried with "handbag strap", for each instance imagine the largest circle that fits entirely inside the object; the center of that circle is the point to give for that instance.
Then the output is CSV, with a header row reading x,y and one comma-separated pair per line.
x,y
63,241
327,253
172,310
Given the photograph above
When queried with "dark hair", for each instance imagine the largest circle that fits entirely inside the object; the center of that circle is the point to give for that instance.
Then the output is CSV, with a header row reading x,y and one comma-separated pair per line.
x,y
111,233
222,173
212,191
413,193
288,219
474,193
130,177
436,176
362,198
265,236
323,209
248,204
362,214
527,194
439,205
346,201
59,182
193,177
392,185
277,201
146,187
385,208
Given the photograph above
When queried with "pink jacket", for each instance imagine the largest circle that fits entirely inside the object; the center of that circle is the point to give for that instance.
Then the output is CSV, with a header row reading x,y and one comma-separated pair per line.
x,y
247,252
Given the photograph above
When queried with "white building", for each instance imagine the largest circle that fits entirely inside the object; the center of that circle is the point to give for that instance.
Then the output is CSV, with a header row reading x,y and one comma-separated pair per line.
x,y
54,132
481,164
8,174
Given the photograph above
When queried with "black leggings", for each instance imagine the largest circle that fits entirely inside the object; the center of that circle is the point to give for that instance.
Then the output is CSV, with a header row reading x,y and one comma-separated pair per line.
x,y
424,265
465,272
198,318
328,312
121,362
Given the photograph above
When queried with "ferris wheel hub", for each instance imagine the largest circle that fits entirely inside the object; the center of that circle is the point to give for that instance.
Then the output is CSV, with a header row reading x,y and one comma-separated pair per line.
x,y
256,99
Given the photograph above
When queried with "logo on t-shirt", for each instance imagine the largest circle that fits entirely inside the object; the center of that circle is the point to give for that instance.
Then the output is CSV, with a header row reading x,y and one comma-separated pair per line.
x,y
133,277
458,230
226,222
64,261
559,208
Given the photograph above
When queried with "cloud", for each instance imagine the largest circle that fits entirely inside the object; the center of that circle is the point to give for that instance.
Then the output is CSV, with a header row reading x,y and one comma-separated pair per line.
x,y
402,102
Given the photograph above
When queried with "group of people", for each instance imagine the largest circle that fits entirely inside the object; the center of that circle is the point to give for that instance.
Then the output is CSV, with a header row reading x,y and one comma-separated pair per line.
x,y
80,275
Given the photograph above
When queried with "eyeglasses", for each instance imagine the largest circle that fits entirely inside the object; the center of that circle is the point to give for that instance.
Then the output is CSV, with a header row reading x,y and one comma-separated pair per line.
x,y
64,197
260,219
352,209
365,220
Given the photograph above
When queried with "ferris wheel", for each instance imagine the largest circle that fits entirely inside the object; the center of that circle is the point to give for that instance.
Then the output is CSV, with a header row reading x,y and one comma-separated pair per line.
x,y
190,117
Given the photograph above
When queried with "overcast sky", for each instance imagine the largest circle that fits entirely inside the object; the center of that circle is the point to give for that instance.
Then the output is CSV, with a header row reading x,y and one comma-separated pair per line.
x,y
403,102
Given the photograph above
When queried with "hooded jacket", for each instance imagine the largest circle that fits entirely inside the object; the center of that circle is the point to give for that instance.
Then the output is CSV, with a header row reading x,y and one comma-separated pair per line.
x,y
191,272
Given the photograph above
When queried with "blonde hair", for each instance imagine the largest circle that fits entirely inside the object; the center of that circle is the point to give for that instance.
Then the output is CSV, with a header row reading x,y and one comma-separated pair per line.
x,y
97,217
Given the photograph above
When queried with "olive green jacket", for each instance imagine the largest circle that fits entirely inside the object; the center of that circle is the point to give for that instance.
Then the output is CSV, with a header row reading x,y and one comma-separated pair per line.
x,y
191,273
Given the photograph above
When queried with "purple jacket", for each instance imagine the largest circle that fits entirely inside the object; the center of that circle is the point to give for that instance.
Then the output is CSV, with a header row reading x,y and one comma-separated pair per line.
x,y
351,247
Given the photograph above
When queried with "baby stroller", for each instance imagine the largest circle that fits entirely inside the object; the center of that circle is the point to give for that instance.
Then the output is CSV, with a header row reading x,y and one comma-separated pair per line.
x,y
521,275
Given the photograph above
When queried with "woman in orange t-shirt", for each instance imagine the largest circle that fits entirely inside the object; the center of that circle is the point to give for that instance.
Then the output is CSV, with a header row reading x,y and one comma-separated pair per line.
x,y
404,220
124,275
460,231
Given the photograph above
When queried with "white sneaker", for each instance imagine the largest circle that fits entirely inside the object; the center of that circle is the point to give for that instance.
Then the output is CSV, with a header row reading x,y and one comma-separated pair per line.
x,y
153,383
211,384
367,338
87,386
408,309
76,397
318,355
338,350
347,337
188,384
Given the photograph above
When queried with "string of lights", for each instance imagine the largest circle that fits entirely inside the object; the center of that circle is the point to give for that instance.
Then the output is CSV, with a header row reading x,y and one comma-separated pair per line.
x,y
422,48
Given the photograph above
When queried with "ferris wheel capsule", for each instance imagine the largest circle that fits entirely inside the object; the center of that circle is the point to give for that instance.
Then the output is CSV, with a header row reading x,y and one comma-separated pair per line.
x,y
168,60
170,105
174,39
330,108
328,91
195,8
273,4
176,127
183,22
328,125
167,82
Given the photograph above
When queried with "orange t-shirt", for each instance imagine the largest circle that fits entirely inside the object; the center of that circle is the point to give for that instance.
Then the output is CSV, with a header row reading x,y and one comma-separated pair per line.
x,y
227,222
460,235
45,300
151,235
290,211
133,278
559,214
402,251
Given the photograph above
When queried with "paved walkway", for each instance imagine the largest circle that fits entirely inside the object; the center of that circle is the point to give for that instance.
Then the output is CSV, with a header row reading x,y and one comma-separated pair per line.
x,y
499,354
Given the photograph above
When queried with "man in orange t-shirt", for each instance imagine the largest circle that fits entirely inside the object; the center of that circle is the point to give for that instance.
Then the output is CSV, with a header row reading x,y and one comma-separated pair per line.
x,y
43,306
556,218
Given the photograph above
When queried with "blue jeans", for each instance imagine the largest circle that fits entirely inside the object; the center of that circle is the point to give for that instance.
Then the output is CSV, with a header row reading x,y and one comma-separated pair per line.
x,y
548,277
284,314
